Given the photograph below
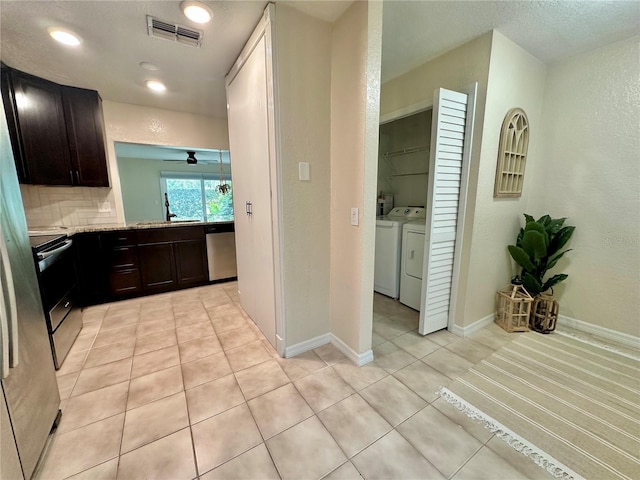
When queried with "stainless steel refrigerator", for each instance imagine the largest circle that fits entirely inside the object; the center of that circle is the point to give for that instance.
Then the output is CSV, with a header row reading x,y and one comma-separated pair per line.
x,y
30,400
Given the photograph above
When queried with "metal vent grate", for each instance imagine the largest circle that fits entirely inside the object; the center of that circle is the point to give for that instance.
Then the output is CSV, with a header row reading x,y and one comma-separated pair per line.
x,y
173,32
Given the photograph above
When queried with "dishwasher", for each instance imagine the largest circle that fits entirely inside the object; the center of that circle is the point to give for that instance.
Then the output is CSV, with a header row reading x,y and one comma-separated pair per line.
x,y
221,251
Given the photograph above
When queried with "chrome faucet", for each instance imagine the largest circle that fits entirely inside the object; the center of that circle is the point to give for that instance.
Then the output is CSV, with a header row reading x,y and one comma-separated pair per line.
x,y
166,204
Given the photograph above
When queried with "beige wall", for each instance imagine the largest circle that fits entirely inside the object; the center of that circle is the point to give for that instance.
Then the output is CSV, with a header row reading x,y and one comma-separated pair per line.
x,y
454,70
589,171
516,79
355,73
154,126
302,46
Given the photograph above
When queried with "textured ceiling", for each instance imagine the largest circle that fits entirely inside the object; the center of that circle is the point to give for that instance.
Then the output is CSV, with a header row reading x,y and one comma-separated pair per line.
x,y
116,41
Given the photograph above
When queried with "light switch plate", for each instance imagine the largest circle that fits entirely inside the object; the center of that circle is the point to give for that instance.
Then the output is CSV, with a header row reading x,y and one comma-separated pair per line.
x,y
354,216
304,174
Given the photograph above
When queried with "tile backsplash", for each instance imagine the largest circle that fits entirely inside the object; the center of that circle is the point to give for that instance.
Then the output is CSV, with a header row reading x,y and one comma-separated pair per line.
x,y
67,206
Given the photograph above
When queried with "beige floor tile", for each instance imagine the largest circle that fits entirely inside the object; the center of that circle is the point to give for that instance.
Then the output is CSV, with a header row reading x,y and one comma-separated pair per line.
x,y
518,461
486,464
170,458
256,464
225,436
439,440
448,363
199,348
73,363
472,351
474,428
110,323
354,424
105,471
83,448
195,331
91,328
90,314
215,299
423,380
152,387
110,353
359,377
102,376
346,471
91,407
84,341
377,339
262,378
278,410
66,384
389,329
155,361
155,341
225,310
160,316
330,354
394,361
392,400
191,317
442,337
491,337
237,337
247,355
323,389
205,370
154,420
302,365
229,322
375,462
155,326
212,398
306,450
115,335
416,344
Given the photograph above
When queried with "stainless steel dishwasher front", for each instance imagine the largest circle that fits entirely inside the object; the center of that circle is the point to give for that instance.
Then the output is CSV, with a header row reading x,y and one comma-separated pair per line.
x,y
221,251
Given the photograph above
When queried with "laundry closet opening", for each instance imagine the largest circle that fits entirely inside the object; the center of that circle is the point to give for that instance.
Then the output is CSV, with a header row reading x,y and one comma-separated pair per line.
x,y
403,172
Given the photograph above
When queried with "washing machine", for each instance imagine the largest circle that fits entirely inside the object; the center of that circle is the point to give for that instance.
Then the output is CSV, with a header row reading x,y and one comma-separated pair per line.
x,y
412,263
389,248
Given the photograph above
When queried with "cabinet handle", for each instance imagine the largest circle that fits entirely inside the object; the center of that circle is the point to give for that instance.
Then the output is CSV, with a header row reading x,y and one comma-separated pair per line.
x,y
66,305
77,177
71,176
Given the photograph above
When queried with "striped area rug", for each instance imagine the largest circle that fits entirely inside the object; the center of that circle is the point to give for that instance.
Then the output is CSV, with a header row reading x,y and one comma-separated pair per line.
x,y
573,406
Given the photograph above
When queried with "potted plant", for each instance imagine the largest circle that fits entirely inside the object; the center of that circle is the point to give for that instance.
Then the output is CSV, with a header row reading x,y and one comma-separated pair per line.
x,y
537,250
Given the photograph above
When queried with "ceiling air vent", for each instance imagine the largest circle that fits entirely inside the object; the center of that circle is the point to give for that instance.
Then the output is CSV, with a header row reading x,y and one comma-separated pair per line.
x,y
173,32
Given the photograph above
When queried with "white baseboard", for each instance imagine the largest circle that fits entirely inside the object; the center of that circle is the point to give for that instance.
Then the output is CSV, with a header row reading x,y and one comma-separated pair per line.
x,y
473,327
623,338
307,345
357,358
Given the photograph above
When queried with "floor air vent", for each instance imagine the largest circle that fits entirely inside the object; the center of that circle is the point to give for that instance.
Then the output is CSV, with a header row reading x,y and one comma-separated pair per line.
x,y
173,32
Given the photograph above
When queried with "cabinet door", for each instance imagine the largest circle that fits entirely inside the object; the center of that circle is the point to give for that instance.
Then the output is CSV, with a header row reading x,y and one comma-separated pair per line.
x,y
43,134
191,262
85,131
157,267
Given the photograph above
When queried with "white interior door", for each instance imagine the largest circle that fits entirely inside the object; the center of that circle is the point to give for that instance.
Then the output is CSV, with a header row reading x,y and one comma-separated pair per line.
x,y
452,127
249,139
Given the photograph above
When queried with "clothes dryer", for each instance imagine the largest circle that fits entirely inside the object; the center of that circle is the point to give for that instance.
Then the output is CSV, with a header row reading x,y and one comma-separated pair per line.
x,y
389,248
412,263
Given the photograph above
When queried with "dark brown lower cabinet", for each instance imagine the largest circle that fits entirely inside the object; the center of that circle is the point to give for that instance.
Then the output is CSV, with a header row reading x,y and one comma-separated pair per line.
x,y
191,262
157,267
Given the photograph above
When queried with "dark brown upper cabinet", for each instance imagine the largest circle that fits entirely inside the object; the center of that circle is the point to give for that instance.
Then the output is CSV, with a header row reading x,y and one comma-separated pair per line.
x,y
57,132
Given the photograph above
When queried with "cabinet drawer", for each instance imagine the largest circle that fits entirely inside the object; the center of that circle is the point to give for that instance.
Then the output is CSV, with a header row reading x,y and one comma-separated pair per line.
x,y
119,238
171,234
124,258
60,310
124,282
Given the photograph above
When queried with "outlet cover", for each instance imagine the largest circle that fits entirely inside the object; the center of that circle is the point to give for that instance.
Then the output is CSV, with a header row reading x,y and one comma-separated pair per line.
x,y
104,207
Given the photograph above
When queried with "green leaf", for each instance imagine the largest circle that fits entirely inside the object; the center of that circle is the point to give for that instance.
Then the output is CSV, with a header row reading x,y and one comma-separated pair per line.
x,y
535,244
553,281
554,225
555,258
560,239
528,218
532,284
521,257
544,220
519,239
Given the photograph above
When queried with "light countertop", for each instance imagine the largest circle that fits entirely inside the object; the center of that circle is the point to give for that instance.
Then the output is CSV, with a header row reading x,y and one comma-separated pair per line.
x,y
106,227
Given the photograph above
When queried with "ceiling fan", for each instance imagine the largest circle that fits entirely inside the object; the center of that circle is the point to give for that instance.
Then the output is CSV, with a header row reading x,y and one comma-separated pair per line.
x,y
191,159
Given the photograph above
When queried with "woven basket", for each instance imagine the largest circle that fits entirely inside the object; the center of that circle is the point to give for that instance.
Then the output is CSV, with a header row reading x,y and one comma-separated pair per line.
x,y
544,313
513,308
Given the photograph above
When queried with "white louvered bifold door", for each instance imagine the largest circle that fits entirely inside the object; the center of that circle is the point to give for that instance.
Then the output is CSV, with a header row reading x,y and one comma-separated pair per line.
x,y
447,179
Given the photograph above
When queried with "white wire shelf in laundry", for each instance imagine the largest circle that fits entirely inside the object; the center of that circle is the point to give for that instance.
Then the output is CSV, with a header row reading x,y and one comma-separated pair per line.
x,y
405,151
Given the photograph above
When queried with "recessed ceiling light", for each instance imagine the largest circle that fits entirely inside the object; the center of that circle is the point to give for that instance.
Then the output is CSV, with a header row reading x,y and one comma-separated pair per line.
x,y
156,86
149,66
196,11
64,36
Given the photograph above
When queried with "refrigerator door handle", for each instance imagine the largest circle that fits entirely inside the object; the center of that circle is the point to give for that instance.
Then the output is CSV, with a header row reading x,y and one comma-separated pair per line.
x,y
10,323
4,336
